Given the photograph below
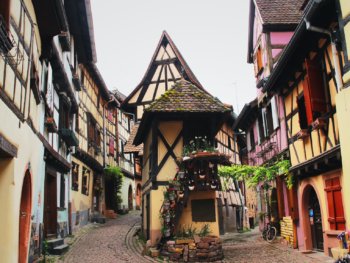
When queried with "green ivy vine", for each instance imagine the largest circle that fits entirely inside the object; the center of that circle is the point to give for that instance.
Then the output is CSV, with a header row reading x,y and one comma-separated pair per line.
x,y
254,175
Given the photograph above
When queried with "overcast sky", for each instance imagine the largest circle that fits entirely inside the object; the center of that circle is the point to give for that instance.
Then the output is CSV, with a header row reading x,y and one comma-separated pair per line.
x,y
212,37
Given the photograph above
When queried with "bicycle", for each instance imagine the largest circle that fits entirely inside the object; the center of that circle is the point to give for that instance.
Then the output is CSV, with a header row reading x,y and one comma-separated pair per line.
x,y
269,233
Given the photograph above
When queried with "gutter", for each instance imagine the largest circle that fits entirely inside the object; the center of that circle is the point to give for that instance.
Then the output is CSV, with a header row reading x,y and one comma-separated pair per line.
x,y
287,53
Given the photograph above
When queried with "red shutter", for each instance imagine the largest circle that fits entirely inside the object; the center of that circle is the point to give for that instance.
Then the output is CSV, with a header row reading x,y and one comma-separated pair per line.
x,y
315,99
111,146
335,204
293,203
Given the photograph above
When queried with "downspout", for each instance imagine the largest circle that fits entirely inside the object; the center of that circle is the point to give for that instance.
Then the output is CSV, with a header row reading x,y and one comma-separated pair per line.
x,y
335,55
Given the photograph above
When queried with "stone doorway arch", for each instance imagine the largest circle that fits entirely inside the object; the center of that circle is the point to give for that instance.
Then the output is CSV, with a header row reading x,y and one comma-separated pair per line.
x,y
25,218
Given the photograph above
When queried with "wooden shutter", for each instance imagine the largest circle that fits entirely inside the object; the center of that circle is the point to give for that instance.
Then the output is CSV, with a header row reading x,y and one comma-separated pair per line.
x,y
5,12
111,145
335,204
259,59
264,121
293,203
314,93
274,110
258,131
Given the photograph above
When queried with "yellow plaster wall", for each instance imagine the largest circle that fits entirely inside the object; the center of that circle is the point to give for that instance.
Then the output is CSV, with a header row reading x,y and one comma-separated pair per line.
x,y
157,198
12,171
343,112
345,7
186,217
170,131
81,201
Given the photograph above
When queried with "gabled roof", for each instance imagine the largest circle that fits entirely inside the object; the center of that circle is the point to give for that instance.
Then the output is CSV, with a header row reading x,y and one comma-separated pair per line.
x,y
280,12
176,59
247,115
129,146
276,15
186,97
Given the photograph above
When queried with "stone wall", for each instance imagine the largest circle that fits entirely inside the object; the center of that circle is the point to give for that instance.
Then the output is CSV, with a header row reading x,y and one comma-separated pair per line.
x,y
198,249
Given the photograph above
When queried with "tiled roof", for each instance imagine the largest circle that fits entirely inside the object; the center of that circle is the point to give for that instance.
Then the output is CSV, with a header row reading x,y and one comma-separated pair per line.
x,y
280,12
129,146
186,97
119,96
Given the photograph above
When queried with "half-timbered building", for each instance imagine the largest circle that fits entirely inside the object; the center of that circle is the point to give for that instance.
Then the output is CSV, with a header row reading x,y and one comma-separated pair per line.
x,y
181,115
271,26
125,159
166,68
308,77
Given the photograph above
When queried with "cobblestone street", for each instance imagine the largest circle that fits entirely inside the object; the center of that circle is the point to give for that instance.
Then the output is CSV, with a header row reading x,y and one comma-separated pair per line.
x,y
106,243
115,242
250,247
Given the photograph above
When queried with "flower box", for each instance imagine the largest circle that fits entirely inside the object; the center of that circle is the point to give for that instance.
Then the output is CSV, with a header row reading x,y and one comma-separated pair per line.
x,y
50,124
319,123
303,133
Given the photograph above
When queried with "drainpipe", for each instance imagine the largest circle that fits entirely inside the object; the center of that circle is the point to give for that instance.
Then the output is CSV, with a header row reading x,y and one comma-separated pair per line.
x,y
337,70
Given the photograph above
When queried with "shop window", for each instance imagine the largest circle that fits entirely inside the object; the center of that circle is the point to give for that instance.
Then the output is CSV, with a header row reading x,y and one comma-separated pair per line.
x,y
335,204
75,176
314,91
85,181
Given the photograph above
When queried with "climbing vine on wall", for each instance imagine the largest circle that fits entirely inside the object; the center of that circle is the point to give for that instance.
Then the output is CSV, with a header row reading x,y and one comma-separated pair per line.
x,y
258,174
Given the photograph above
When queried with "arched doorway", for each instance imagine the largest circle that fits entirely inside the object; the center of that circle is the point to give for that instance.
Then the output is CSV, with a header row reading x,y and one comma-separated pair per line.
x,y
24,218
138,196
130,198
312,220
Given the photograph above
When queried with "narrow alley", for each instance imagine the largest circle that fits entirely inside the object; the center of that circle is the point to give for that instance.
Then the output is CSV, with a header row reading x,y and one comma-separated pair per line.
x,y
116,241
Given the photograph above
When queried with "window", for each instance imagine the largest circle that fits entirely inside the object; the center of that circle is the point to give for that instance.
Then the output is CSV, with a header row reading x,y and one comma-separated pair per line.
x,y
63,192
258,63
77,121
85,181
75,176
111,145
64,121
34,83
260,125
94,134
335,204
274,109
268,120
229,142
302,112
250,140
314,91
6,42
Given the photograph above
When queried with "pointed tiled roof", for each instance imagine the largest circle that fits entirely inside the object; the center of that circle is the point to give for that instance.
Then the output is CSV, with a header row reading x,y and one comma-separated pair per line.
x,y
186,97
186,69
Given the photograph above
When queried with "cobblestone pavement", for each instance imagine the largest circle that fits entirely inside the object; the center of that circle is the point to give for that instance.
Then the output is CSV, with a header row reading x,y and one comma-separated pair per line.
x,y
105,244
250,247
115,242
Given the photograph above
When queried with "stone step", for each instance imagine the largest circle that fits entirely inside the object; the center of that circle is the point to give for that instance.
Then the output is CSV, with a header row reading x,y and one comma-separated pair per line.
x,y
59,250
52,243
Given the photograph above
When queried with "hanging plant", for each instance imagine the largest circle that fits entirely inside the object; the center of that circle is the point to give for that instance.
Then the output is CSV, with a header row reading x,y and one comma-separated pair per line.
x,y
258,174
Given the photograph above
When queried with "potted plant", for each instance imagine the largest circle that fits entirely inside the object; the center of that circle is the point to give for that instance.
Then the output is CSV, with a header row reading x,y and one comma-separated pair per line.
x,y
167,217
181,175
213,184
171,196
180,194
191,185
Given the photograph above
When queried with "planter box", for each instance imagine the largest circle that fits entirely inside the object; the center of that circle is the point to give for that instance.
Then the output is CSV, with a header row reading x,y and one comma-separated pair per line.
x,y
50,125
319,123
302,134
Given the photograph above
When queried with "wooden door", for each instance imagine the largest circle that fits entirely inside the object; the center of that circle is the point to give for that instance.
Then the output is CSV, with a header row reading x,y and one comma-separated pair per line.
x,y
148,215
50,206
316,221
130,198
24,218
